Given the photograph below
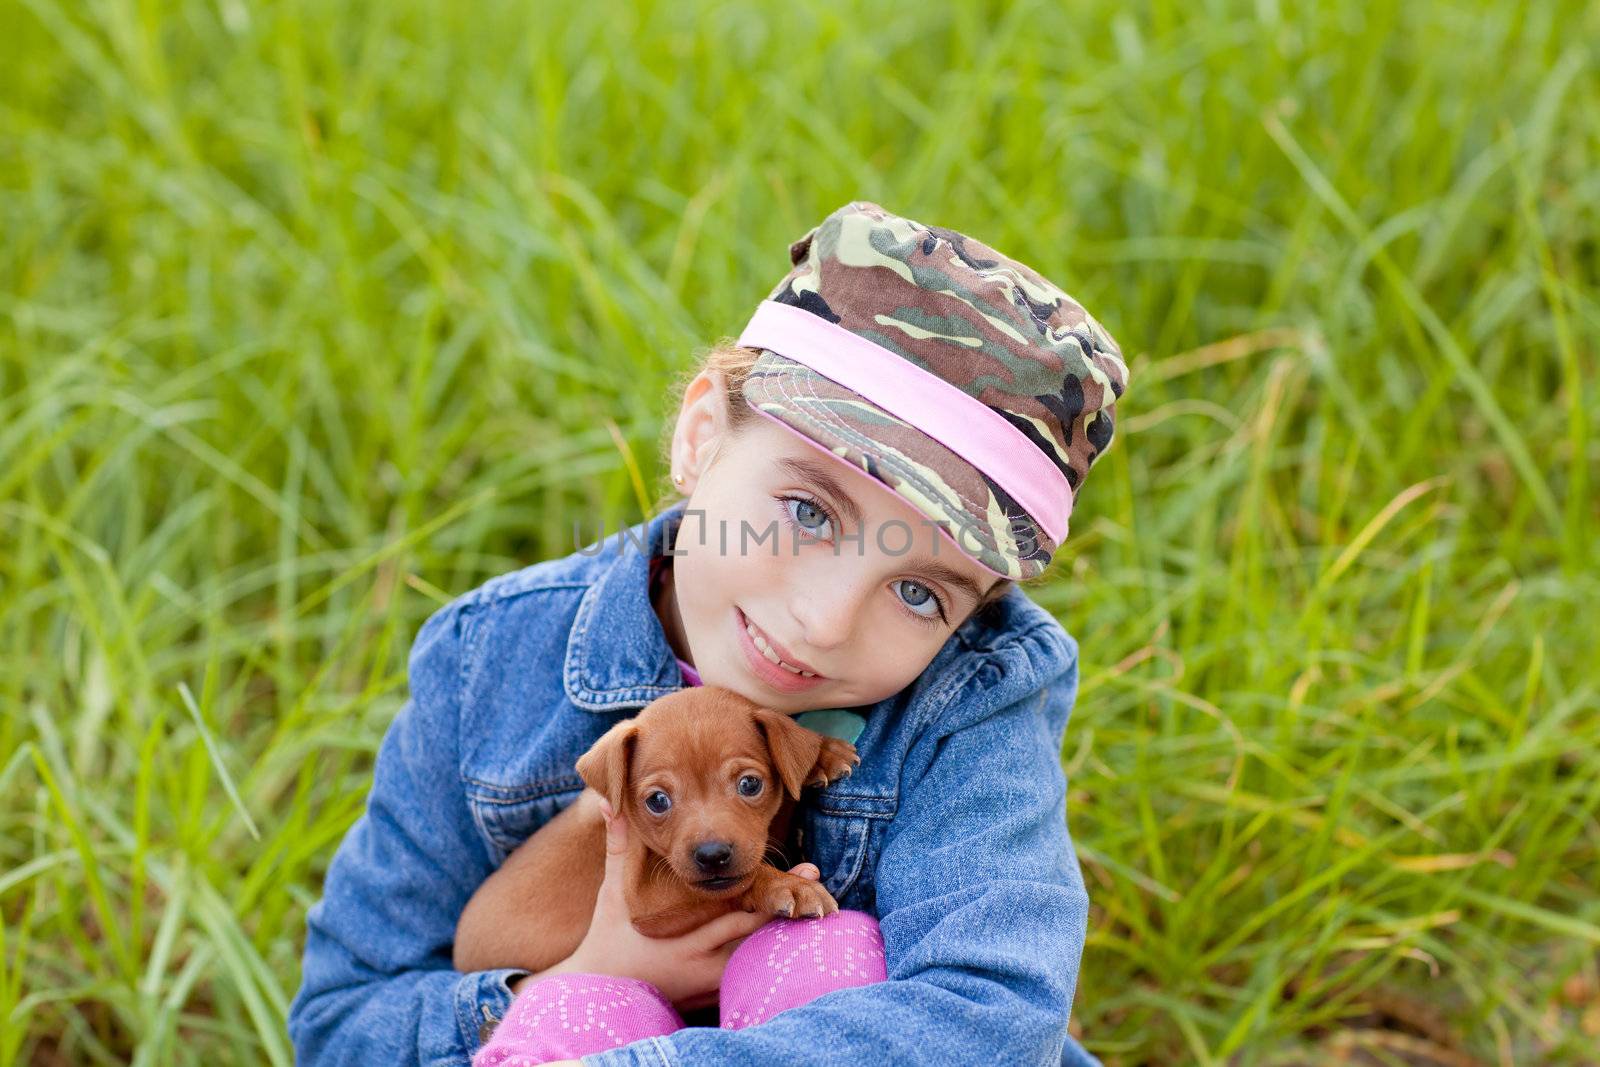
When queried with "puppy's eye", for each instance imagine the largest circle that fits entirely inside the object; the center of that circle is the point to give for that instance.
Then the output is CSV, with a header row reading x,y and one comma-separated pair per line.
x,y
749,786
657,803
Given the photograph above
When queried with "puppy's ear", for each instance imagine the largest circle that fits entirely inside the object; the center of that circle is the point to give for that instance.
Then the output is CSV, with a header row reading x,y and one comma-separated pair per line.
x,y
604,768
794,748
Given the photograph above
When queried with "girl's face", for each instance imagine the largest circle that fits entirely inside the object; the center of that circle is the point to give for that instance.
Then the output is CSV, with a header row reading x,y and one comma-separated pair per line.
x,y
835,573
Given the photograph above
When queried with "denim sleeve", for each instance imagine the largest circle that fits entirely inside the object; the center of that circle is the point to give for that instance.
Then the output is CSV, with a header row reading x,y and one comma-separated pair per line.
x,y
377,984
979,895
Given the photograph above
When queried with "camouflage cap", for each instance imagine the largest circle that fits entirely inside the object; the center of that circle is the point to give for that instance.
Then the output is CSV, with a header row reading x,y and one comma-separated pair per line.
x,y
956,376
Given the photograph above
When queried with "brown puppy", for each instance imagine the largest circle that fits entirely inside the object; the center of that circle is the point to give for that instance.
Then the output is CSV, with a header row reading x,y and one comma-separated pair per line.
x,y
707,780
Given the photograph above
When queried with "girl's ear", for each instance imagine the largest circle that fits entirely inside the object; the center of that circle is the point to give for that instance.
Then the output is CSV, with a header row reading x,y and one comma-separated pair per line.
x,y
604,768
794,748
700,426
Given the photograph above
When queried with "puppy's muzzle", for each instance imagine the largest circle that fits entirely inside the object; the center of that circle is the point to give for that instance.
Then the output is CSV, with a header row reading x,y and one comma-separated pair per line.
x,y
713,857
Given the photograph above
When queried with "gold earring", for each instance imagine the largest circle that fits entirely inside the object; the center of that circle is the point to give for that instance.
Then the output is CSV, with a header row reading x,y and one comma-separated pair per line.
x,y
677,479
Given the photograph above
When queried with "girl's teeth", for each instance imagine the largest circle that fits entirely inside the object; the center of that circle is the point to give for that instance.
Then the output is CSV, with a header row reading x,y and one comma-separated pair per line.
x,y
766,650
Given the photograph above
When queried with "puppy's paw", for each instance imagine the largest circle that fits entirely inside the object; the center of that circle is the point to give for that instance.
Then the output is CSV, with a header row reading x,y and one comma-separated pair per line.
x,y
788,896
836,760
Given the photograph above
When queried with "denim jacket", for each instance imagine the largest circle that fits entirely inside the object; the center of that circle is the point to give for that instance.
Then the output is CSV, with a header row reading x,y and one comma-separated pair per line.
x,y
952,831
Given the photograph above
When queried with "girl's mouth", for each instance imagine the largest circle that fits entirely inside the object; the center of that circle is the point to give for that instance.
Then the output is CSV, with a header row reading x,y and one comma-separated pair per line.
x,y
764,663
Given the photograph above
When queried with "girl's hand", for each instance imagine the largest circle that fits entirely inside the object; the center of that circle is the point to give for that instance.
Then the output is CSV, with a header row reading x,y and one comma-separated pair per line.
x,y
688,968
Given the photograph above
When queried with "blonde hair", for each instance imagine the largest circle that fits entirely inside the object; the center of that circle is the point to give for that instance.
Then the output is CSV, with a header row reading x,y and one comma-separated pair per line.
x,y
735,362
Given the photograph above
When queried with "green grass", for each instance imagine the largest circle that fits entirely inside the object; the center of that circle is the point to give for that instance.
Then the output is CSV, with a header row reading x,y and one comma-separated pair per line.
x,y
311,318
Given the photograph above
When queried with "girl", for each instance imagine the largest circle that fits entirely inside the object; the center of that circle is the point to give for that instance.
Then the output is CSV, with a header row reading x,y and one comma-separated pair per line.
x,y
896,440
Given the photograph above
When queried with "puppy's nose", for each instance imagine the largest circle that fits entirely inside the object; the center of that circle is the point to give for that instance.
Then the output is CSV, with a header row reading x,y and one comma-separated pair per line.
x,y
713,856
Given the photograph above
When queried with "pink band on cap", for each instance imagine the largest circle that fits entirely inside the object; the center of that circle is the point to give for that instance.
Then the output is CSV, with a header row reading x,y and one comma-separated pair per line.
x,y
960,422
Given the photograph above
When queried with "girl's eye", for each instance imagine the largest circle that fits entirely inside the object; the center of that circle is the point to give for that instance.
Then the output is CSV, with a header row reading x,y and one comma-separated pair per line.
x,y
920,598
749,786
657,803
807,516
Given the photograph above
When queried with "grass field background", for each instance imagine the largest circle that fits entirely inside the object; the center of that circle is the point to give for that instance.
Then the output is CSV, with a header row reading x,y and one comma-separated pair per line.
x,y
313,316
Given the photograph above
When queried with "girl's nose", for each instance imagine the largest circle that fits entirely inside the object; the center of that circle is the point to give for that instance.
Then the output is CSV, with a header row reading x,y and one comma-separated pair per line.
x,y
827,610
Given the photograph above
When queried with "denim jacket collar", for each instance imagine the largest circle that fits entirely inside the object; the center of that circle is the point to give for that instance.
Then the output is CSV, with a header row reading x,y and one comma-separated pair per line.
x,y
613,662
